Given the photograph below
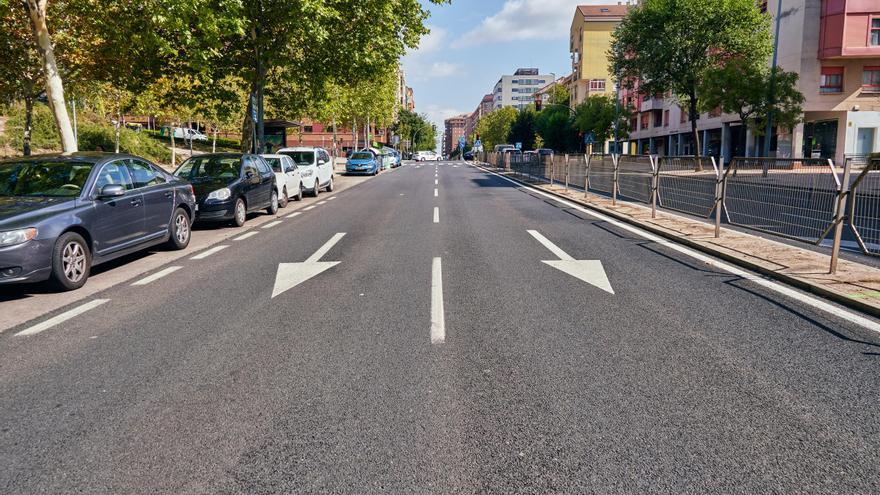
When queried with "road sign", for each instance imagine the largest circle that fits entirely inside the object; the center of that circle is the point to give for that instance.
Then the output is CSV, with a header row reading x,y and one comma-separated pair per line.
x,y
478,146
461,142
589,138
519,146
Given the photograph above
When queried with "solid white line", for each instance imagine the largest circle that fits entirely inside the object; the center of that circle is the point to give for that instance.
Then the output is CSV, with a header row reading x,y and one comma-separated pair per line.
x,y
436,192
272,224
157,275
51,322
309,208
321,202
801,297
292,215
436,214
326,247
209,252
246,236
438,321
552,247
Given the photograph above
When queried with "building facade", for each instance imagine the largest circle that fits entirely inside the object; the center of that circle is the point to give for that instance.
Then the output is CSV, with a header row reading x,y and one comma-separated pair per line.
x,y
454,129
590,40
834,46
484,108
518,90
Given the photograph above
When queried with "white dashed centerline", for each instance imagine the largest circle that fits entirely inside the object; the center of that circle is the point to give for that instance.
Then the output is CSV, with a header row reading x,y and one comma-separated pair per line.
x,y
436,214
246,236
156,276
209,252
436,192
272,224
51,322
438,322
436,182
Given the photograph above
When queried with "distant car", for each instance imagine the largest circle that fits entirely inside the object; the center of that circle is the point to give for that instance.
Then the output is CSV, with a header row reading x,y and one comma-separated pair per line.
x,y
469,156
228,186
363,162
395,156
501,148
544,151
315,166
186,134
427,156
288,180
60,215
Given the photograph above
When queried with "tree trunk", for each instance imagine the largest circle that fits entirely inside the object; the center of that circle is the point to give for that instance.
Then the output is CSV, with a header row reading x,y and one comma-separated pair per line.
x,y
28,123
354,135
54,86
173,149
247,133
118,125
214,143
694,115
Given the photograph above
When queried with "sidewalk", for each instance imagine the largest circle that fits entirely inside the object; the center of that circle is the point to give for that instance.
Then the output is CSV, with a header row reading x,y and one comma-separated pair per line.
x,y
854,285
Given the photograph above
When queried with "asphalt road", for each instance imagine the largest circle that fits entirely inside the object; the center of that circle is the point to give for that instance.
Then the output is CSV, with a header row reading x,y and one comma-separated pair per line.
x,y
376,376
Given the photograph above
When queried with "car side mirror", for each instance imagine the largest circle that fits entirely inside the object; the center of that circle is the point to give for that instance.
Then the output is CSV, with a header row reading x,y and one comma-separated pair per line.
x,y
291,168
112,191
321,162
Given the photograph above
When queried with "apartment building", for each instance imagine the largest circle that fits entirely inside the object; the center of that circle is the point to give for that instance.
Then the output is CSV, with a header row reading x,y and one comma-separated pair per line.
x,y
590,40
834,45
454,129
484,108
518,90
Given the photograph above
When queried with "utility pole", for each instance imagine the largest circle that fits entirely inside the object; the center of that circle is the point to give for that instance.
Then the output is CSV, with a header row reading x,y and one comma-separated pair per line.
x,y
771,100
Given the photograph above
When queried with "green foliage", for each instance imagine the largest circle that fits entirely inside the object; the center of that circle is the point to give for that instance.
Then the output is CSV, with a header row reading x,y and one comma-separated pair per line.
x,y
411,125
556,129
495,127
44,136
97,137
559,95
222,143
522,130
596,115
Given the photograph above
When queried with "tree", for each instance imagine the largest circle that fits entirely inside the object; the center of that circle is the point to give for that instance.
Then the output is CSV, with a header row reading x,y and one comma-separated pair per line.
x,y
555,128
415,129
559,95
20,74
522,130
742,88
672,45
596,116
495,127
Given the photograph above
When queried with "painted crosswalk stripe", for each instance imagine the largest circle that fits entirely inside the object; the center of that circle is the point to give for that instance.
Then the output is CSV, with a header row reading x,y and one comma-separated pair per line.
x,y
51,322
272,224
209,252
246,236
156,276
436,214
438,321
293,215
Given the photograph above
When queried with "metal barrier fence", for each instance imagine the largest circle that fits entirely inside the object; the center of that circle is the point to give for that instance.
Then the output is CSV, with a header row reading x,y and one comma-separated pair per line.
x,y
601,173
688,185
635,177
864,205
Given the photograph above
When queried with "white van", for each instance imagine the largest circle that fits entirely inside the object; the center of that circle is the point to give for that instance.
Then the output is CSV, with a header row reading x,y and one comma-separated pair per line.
x,y
315,167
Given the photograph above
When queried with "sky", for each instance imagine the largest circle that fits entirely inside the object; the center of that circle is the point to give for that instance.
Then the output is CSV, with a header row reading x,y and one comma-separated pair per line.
x,y
474,42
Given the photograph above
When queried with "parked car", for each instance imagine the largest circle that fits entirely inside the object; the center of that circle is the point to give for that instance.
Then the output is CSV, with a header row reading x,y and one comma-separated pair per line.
x,y
393,155
185,133
501,148
427,156
469,156
288,180
228,186
60,215
544,152
315,166
363,162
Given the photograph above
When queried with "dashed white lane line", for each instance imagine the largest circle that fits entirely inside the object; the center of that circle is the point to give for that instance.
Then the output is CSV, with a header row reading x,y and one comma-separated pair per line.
x,y
436,182
51,322
156,276
436,214
321,202
307,208
213,250
331,198
294,215
438,321
272,224
436,192
246,236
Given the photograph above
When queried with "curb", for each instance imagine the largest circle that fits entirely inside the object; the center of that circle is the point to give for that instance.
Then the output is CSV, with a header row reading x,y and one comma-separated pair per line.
x,y
831,295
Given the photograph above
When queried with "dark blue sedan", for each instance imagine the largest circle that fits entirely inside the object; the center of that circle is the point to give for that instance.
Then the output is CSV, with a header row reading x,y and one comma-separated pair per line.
x,y
62,214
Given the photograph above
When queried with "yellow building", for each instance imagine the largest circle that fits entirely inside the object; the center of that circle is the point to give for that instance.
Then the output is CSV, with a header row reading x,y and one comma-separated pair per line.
x,y
590,40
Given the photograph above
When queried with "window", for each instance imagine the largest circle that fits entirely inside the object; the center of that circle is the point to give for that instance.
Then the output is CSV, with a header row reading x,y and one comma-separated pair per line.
x,y
262,166
646,120
684,116
308,129
871,80
143,175
832,80
113,173
875,31
666,118
275,163
597,85
250,168
658,118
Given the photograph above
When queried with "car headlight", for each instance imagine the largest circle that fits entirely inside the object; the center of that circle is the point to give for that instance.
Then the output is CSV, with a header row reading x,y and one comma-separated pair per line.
x,y
13,237
306,173
220,194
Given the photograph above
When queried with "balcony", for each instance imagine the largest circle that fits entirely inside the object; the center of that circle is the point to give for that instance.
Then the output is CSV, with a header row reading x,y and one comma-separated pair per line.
x,y
651,104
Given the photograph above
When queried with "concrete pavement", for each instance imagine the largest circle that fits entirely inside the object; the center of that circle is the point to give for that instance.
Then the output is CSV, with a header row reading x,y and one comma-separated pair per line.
x,y
686,378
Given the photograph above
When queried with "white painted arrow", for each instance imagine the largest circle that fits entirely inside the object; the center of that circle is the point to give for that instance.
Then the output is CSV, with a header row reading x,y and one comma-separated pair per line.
x,y
292,274
589,271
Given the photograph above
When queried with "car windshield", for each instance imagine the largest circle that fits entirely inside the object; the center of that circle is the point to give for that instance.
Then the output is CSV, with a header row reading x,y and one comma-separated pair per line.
x,y
275,163
50,179
301,157
361,156
211,167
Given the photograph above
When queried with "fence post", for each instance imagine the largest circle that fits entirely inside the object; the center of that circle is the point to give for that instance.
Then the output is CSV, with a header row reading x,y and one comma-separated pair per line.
x,y
615,159
587,158
840,214
552,168
566,171
719,193
655,183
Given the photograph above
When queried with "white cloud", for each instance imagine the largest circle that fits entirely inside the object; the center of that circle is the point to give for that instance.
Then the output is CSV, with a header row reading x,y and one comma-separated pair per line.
x,y
431,42
525,20
437,114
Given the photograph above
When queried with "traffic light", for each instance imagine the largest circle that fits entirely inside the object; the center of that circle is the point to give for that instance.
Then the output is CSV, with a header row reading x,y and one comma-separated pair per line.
x,y
538,103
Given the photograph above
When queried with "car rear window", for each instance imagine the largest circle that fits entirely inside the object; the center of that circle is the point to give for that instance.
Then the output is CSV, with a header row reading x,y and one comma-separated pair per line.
x,y
275,163
301,157
51,179
213,167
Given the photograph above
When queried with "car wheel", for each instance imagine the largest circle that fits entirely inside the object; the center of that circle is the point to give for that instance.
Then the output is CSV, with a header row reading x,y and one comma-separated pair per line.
x,y
240,215
179,230
284,200
317,189
71,261
330,185
273,203
299,193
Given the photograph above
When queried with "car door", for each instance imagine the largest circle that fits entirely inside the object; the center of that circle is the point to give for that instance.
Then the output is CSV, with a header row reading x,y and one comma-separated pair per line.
x,y
267,179
325,169
119,221
291,171
250,180
158,196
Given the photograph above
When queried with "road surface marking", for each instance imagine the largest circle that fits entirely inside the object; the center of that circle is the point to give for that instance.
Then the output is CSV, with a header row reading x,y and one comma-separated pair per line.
x,y
246,236
331,198
293,215
436,214
321,202
326,247
438,322
51,322
209,252
549,245
290,275
436,182
310,208
272,224
801,297
436,192
157,275
589,271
